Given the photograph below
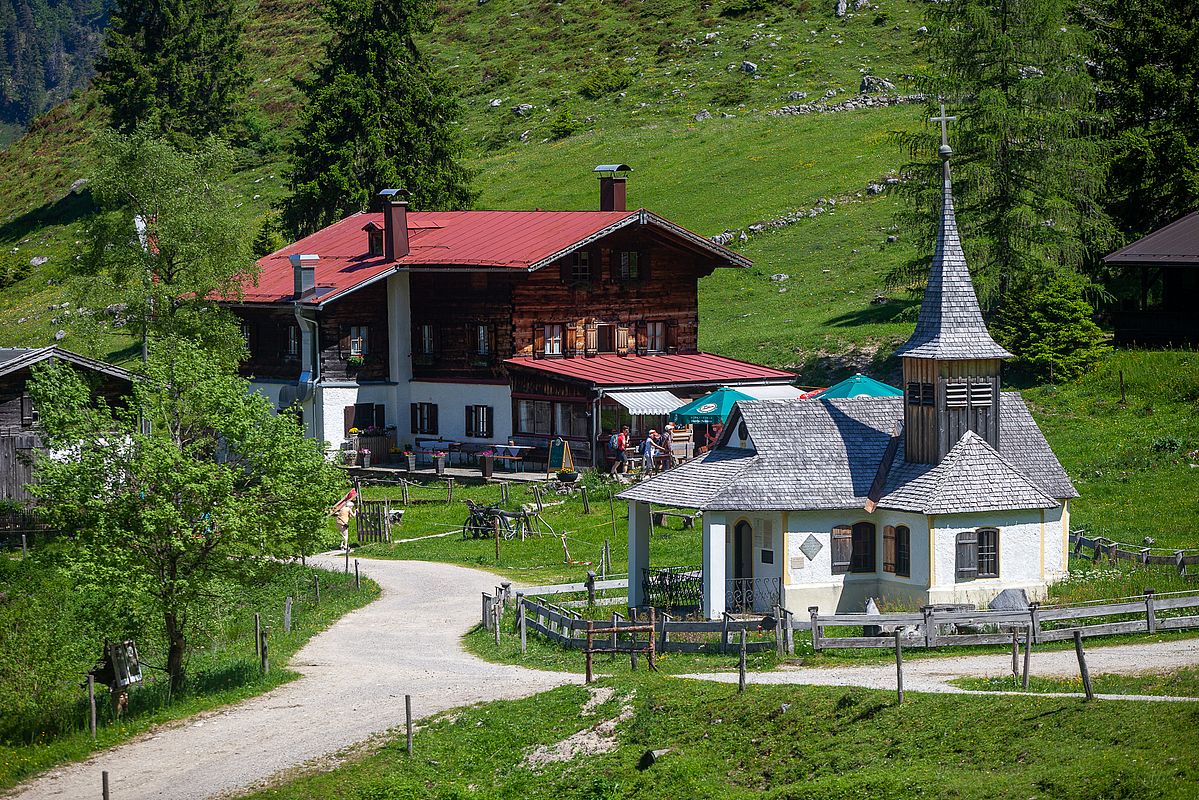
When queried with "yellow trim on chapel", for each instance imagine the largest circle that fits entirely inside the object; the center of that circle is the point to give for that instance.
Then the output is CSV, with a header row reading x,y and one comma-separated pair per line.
x,y
1042,543
786,552
932,553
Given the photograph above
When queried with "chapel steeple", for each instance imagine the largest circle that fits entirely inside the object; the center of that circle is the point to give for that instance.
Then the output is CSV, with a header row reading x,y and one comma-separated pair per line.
x,y
951,363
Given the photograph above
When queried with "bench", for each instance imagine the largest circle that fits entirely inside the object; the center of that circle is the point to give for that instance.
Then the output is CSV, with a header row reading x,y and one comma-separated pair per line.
x,y
659,518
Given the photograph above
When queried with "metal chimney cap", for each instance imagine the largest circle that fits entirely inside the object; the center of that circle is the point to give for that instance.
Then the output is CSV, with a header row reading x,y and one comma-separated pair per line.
x,y
299,258
613,168
393,193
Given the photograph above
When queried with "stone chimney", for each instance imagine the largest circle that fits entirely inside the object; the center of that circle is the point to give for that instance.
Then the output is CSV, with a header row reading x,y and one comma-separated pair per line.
x,y
303,267
613,182
395,224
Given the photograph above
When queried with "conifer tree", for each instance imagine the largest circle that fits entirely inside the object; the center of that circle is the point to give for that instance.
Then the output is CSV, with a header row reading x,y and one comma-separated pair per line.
x,y
377,116
174,65
1025,164
1148,65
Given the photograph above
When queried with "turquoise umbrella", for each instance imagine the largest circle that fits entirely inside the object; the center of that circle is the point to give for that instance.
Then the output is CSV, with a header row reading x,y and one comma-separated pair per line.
x,y
714,407
860,386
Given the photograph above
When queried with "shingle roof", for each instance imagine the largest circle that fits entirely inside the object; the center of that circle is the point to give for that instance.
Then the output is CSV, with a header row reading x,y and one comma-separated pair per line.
x,y
824,454
16,358
950,324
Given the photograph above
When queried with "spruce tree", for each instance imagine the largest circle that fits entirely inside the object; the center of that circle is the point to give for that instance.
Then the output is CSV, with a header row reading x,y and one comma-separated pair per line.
x,y
377,116
1147,52
1026,169
176,66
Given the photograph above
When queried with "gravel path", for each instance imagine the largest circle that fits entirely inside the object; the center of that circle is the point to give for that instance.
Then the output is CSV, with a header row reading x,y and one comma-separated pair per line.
x,y
355,676
934,674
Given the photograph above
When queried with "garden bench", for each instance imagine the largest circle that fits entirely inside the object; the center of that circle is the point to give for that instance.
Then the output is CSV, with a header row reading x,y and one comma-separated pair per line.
x,y
688,519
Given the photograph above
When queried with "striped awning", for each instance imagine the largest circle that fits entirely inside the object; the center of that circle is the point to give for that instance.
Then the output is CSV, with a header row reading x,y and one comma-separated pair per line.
x,y
654,402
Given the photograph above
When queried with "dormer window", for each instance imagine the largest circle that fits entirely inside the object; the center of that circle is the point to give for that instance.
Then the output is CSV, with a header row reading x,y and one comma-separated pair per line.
x,y
580,267
374,239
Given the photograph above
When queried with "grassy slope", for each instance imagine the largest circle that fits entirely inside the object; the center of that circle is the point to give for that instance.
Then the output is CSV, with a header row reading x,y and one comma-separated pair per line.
x,y
1179,683
831,743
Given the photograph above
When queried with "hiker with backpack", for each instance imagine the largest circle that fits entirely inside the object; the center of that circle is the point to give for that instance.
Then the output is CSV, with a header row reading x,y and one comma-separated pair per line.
x,y
617,443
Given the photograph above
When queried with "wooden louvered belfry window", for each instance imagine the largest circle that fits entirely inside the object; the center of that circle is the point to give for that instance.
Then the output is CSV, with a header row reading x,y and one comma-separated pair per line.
x,y
968,393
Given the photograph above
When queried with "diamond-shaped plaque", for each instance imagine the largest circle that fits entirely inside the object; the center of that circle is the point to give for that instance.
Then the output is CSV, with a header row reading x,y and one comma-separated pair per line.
x,y
810,547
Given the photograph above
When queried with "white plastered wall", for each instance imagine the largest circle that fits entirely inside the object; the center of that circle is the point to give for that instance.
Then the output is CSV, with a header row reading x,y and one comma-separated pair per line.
x,y
768,536
1030,553
452,400
399,336
332,398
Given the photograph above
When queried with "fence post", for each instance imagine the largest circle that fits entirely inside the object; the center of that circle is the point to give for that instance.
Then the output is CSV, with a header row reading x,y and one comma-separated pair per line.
x,y
789,631
486,612
104,785
653,662
316,585
24,546
357,579
1034,611
346,571
665,633
813,611
1015,656
91,703
1082,665
930,626
615,617
590,634
287,615
778,631
633,641
741,666
586,500
1178,562
449,491
497,609
404,491
899,667
266,662
537,498
724,631
408,719
1150,613
257,635
520,620
1027,658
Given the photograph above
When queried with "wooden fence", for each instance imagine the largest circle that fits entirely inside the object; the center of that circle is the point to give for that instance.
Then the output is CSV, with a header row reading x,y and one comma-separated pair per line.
x,y
374,521
1150,613
16,464
1099,547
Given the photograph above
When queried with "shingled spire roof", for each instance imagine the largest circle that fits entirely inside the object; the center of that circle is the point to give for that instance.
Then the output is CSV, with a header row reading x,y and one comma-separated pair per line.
x,y
950,324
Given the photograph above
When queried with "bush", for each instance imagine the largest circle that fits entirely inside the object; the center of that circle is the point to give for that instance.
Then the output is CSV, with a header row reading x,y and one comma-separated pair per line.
x,y
1050,331
604,81
740,8
564,124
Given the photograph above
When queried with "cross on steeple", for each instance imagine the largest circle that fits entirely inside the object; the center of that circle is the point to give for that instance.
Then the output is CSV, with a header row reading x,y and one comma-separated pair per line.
x,y
943,119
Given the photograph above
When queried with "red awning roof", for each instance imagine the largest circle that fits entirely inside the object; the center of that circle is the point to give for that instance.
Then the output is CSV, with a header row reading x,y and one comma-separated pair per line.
x,y
451,239
610,369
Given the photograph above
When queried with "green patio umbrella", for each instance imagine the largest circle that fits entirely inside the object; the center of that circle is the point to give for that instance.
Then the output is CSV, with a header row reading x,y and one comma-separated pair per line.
x,y
710,408
860,386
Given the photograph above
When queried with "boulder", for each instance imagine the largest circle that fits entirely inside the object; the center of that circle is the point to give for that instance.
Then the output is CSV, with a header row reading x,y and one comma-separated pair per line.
x,y
522,109
1009,600
873,85
779,276
60,335
495,102
37,261
703,115
840,8
749,67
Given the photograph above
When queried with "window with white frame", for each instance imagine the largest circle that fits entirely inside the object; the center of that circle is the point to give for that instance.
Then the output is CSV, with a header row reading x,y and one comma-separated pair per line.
x,y
580,267
426,339
553,340
358,340
479,422
483,340
293,341
628,265
655,337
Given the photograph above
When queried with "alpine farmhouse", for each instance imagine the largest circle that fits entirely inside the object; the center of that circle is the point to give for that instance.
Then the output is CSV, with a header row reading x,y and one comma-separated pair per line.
x,y
948,494
487,326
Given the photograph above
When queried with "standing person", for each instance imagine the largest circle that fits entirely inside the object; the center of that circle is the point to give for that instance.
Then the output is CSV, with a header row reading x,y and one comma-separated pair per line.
x,y
667,442
620,459
343,512
651,449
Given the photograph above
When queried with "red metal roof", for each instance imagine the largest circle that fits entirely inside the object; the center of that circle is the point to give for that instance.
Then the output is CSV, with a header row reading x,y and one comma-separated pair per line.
x,y
478,239
609,369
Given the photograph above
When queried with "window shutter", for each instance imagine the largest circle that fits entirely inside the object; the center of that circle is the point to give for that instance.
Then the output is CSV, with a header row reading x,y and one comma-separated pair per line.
x,y
570,339
415,418
380,415
641,338
539,340
967,556
889,549
842,548
348,412
488,421
470,421
343,342
591,332
433,418
672,336
27,417
622,340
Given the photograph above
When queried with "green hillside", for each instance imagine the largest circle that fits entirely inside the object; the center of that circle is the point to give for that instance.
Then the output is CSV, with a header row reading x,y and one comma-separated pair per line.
x,y
626,80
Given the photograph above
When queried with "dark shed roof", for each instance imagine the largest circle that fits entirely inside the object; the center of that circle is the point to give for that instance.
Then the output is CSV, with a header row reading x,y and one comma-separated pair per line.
x,y
1177,244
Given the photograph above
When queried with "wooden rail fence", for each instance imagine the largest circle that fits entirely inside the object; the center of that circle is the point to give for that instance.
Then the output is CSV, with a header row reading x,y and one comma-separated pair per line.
x,y
1042,623
1094,548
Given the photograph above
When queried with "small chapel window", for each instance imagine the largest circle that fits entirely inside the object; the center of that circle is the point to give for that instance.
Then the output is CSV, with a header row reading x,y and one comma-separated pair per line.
x,y
897,550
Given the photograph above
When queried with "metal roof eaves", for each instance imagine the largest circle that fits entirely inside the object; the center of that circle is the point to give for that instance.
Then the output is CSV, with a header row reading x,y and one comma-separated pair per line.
x,y
634,217
720,250
320,306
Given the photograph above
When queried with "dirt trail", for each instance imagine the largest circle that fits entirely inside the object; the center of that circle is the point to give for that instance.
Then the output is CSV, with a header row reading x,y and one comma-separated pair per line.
x,y
934,674
355,676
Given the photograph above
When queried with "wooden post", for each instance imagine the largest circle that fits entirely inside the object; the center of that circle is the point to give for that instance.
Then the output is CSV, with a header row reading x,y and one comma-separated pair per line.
x,y
449,490
257,636
1150,612
653,663
590,583
537,498
408,719
778,631
590,634
91,703
1027,658
1034,610
357,578
24,547
1015,656
104,785
665,634
520,620
266,663
813,611
495,524
346,571
486,611
930,626
1082,665
741,666
1123,400
1178,562
586,500
404,491
287,615
612,511
615,616
789,631
504,492
899,667
497,609
316,585
724,631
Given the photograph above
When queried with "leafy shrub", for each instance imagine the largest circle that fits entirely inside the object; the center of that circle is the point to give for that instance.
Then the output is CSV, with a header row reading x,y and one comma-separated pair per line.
x,y
604,81
1050,331
1166,444
564,124
13,268
733,93
740,8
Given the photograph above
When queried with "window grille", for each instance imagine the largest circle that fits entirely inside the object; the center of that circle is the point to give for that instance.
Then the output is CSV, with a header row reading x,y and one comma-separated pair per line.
x,y
580,267
630,265
553,340
479,421
903,551
988,552
293,341
862,556
358,340
655,337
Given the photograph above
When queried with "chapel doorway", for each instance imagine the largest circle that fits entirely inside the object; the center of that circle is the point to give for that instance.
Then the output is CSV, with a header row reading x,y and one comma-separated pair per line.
x,y
742,583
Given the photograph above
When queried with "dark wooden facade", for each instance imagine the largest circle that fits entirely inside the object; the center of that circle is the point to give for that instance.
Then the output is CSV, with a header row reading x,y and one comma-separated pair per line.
x,y
964,396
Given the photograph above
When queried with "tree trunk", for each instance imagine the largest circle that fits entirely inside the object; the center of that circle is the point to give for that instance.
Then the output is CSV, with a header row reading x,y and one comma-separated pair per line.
x,y
175,652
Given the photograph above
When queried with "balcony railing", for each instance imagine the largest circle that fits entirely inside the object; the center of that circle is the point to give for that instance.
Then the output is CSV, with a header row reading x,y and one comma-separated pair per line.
x,y
678,589
752,594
